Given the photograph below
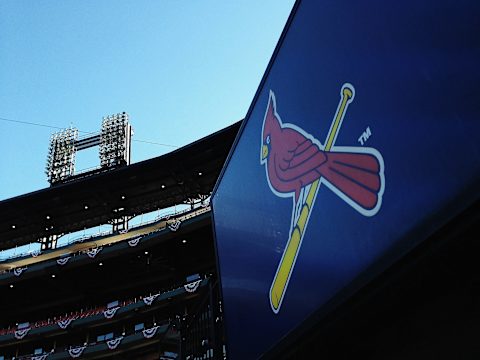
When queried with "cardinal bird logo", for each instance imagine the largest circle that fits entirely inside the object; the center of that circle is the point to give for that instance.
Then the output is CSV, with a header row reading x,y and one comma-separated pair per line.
x,y
296,164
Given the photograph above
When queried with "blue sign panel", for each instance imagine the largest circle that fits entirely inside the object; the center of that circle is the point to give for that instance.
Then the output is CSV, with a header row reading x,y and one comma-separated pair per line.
x,y
363,139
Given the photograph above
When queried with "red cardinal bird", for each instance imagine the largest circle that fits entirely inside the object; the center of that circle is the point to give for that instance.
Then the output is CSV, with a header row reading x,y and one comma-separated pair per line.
x,y
294,159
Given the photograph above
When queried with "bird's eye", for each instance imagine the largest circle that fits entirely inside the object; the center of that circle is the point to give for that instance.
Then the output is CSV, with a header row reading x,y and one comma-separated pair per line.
x,y
267,140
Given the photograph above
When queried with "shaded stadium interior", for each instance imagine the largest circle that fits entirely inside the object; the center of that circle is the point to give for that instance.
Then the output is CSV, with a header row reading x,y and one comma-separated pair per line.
x,y
116,273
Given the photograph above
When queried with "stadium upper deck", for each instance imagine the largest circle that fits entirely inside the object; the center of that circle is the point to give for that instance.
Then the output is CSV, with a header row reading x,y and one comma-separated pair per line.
x,y
139,188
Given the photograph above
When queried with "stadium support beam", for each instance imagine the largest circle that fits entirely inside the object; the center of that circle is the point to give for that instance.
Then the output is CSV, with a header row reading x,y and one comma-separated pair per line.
x,y
200,198
120,223
49,242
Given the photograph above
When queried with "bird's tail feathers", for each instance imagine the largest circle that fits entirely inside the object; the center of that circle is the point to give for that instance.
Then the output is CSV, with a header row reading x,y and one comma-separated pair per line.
x,y
357,175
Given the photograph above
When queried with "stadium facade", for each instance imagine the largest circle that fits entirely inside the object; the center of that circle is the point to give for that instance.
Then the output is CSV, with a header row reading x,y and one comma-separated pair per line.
x,y
147,291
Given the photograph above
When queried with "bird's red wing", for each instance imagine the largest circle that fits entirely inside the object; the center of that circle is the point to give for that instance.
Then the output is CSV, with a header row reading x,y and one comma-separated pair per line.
x,y
299,158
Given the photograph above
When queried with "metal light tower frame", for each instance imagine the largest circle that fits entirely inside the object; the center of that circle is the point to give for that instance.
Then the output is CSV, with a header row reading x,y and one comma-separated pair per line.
x,y
114,143
115,140
61,155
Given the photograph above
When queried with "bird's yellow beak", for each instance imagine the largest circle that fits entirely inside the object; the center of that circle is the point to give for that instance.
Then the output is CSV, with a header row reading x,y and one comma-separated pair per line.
x,y
264,152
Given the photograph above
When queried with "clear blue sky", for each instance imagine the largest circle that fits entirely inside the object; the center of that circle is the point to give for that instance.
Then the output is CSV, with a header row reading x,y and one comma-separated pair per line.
x,y
181,69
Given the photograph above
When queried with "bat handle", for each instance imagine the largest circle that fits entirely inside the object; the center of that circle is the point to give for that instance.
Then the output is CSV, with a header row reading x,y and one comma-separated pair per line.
x,y
347,94
287,263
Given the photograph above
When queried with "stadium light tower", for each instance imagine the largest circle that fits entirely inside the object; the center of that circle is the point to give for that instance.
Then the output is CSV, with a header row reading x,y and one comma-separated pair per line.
x,y
114,143
61,155
115,140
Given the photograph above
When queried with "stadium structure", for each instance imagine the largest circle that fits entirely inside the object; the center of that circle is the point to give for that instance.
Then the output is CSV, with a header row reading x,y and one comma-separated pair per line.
x,y
144,291
151,291
339,220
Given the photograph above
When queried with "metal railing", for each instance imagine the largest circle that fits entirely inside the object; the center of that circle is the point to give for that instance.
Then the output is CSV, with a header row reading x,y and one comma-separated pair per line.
x,y
185,214
202,333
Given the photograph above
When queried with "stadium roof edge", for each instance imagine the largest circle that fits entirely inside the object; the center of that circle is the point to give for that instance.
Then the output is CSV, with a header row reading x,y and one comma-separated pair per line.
x,y
141,187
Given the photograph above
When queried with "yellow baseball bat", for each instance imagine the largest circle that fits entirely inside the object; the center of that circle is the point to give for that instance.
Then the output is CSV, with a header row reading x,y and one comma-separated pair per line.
x,y
285,268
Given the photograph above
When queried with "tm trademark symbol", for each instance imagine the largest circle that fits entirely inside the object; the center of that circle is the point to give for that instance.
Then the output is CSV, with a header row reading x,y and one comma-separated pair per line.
x,y
365,136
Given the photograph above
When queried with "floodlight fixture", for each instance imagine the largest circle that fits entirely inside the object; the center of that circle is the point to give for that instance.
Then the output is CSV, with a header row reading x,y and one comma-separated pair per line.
x,y
61,155
114,142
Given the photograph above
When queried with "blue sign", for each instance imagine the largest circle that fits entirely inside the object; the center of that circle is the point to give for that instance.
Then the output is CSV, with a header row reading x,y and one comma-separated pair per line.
x,y
363,140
